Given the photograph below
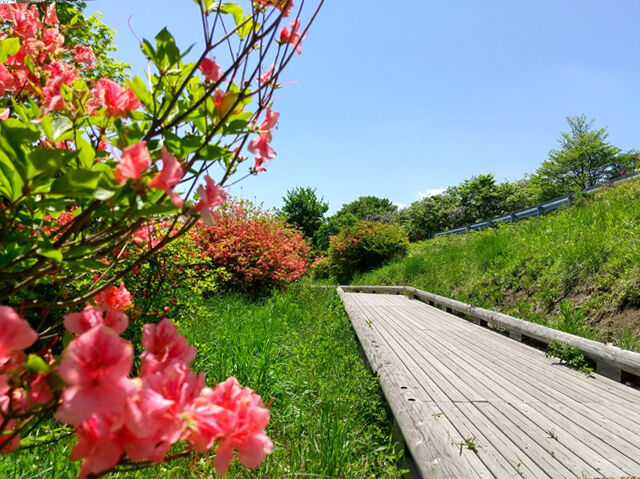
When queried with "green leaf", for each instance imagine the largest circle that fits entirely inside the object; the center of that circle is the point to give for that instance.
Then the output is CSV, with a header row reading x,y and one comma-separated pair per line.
x,y
54,254
76,182
246,28
168,53
148,50
46,161
86,153
138,87
59,125
156,210
212,152
8,47
234,10
103,194
35,364
187,51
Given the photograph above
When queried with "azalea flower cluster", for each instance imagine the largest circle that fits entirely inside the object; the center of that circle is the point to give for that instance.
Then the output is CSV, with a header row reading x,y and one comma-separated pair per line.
x,y
42,43
116,416
257,250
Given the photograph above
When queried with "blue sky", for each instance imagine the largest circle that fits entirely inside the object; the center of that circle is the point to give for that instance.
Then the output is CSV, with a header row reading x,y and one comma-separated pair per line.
x,y
415,96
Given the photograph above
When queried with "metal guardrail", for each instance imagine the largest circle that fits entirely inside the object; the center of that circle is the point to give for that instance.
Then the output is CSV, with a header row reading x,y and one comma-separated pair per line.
x,y
536,210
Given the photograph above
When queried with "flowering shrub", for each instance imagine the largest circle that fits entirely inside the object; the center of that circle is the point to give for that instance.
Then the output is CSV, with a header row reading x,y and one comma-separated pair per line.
x,y
114,414
257,250
365,246
95,181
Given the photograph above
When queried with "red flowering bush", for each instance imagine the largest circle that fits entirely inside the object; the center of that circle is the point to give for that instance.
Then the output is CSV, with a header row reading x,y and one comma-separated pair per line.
x,y
257,250
364,246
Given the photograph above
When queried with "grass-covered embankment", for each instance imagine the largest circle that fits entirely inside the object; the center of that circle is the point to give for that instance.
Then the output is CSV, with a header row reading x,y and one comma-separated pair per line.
x,y
576,270
328,414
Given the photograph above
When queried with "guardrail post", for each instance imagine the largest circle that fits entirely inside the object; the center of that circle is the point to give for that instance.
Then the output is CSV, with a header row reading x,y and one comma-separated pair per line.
x,y
480,322
539,210
513,217
608,370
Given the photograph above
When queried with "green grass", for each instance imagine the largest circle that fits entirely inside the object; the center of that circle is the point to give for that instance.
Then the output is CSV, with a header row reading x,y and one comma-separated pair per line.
x,y
328,415
577,270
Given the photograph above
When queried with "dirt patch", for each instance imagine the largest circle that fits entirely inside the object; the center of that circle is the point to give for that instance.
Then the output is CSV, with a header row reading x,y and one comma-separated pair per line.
x,y
618,321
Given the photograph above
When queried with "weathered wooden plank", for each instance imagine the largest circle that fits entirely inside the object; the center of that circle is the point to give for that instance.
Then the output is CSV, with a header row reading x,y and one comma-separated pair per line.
x,y
536,453
490,457
567,454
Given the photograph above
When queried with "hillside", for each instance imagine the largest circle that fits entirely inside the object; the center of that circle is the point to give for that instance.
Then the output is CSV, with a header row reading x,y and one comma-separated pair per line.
x,y
577,270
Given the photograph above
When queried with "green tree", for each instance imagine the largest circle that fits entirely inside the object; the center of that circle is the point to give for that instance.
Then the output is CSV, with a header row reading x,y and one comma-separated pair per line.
x,y
304,209
479,198
583,160
369,208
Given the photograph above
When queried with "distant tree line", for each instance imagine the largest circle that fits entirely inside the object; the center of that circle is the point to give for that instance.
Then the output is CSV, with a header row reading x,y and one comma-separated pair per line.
x,y
583,159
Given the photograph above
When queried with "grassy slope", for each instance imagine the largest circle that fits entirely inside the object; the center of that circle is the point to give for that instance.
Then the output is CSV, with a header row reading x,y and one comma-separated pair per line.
x,y
328,414
577,270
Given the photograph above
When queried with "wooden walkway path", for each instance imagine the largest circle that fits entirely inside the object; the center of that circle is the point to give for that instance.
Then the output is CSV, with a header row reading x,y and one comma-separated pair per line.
x,y
472,403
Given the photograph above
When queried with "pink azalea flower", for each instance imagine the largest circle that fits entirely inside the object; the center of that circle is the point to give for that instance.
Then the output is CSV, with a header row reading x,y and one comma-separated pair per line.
x,y
270,120
260,146
114,298
50,16
11,444
211,196
83,321
26,19
266,77
134,161
95,367
16,334
210,69
169,177
293,37
85,56
96,446
178,384
7,81
242,424
39,391
258,165
284,6
90,317
163,346
144,406
204,421
60,74
117,100
53,40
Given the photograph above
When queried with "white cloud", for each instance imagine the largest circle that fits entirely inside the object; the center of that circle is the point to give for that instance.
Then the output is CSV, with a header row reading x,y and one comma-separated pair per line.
x,y
400,206
430,192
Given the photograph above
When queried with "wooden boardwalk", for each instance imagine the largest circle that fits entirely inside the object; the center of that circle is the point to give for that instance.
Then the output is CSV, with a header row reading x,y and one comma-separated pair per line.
x,y
472,403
